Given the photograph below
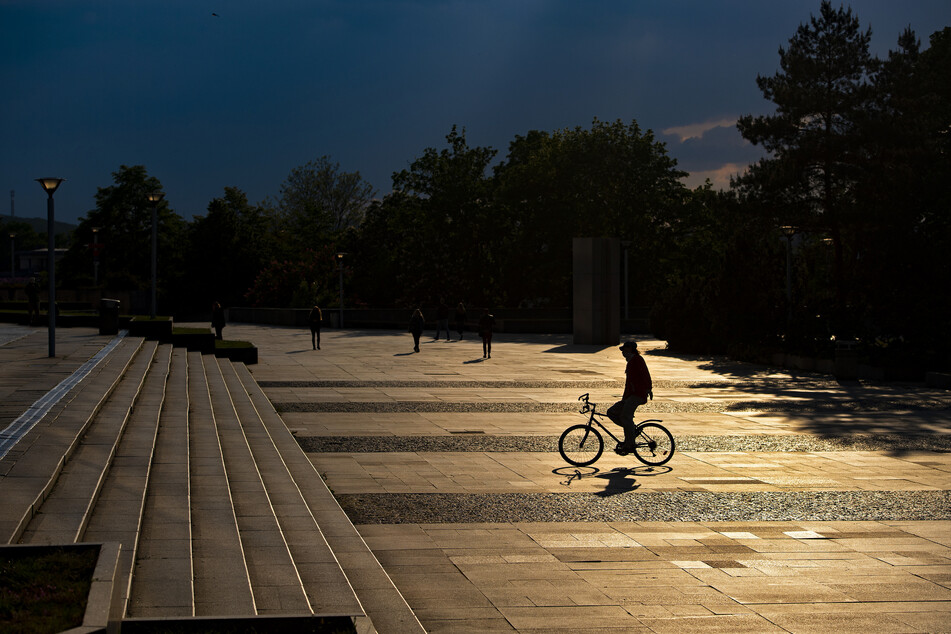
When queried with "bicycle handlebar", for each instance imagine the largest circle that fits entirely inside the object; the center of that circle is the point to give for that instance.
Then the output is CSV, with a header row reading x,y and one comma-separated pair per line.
x,y
587,407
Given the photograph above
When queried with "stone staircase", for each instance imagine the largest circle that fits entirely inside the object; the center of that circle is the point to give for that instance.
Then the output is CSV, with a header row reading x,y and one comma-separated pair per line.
x,y
180,459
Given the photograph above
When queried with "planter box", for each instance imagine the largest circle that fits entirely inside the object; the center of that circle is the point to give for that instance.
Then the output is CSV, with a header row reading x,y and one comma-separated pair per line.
x,y
202,342
247,355
103,589
158,329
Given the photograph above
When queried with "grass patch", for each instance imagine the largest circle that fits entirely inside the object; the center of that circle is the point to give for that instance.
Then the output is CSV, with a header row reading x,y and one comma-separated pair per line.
x,y
178,330
45,589
221,344
146,318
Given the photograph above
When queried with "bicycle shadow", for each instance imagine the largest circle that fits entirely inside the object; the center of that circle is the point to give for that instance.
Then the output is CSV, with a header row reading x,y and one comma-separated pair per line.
x,y
618,480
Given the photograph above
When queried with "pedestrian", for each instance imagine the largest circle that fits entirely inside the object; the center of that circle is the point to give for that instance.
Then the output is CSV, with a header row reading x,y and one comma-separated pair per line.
x,y
217,319
637,388
416,323
442,319
486,324
33,299
315,318
460,319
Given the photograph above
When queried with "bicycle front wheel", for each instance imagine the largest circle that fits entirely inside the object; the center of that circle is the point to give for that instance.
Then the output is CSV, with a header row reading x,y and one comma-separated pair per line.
x,y
581,445
653,444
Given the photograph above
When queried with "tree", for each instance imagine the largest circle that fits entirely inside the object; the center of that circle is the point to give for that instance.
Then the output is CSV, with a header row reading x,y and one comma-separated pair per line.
x,y
228,248
319,202
822,93
441,210
610,180
123,216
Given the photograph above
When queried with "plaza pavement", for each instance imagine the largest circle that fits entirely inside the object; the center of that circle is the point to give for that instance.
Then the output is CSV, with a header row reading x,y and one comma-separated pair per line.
x,y
794,503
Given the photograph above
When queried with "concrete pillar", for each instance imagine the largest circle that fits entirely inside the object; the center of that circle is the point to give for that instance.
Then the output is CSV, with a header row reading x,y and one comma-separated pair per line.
x,y
596,283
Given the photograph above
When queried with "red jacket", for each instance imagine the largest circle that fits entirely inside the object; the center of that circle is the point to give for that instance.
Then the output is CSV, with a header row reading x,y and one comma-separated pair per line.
x,y
638,378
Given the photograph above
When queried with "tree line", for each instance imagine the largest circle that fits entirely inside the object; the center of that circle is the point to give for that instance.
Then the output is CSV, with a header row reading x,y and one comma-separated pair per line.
x,y
840,233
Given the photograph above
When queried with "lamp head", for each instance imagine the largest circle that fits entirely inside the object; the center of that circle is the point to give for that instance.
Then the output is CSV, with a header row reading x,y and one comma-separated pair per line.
x,y
50,184
156,197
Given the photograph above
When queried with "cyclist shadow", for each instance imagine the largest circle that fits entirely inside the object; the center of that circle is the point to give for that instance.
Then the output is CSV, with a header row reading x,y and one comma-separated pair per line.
x,y
620,480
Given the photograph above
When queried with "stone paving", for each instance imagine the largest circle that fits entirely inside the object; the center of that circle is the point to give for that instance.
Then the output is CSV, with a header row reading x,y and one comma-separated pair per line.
x,y
794,504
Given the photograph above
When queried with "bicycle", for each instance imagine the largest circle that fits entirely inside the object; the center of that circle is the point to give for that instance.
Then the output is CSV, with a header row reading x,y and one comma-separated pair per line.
x,y
582,445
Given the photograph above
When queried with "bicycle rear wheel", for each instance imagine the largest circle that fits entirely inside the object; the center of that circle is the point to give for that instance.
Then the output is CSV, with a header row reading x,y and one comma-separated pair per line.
x,y
581,445
653,444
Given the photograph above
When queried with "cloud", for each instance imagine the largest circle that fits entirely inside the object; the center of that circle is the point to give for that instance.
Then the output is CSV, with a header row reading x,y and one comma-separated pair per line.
x,y
719,177
697,130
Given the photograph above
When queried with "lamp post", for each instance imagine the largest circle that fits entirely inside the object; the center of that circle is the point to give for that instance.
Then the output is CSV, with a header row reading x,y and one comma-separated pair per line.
x,y
155,198
13,269
95,257
50,185
339,258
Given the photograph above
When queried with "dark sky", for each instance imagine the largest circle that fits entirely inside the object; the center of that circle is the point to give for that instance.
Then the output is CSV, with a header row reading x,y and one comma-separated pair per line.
x,y
241,98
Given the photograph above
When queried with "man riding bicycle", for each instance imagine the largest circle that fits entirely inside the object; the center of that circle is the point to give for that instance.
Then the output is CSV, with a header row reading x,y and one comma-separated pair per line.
x,y
637,388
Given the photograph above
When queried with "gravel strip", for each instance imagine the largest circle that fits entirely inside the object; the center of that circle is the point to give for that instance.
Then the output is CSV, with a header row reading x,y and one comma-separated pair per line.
x,y
433,508
471,442
381,407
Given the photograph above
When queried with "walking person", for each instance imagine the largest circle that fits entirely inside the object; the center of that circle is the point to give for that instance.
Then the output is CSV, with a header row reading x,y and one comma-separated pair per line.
x,y
315,318
416,323
442,319
486,324
460,319
33,299
217,319
637,388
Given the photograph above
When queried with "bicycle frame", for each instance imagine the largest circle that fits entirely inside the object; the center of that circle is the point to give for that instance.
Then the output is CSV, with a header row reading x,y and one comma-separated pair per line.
x,y
593,407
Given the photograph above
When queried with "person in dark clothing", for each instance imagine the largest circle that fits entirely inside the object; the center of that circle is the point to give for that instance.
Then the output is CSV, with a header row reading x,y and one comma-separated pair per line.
x,y
33,299
416,323
217,319
442,319
315,318
460,319
637,388
486,324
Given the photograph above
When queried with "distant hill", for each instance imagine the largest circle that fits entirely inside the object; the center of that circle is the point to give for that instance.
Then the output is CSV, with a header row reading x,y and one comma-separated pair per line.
x,y
38,224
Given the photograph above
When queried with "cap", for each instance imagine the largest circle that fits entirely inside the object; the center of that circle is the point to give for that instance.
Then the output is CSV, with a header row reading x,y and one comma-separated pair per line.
x,y
629,345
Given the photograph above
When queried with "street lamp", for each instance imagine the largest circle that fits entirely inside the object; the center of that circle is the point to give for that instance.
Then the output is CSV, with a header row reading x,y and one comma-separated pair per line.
x,y
155,198
339,258
95,256
50,185
13,269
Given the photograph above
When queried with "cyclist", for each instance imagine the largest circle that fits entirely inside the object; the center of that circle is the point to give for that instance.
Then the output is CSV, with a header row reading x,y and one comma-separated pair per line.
x,y
637,388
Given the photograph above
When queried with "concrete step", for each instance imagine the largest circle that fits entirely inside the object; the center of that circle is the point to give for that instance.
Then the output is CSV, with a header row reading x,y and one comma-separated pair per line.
x,y
274,578
221,578
162,576
118,512
31,467
327,588
379,597
63,514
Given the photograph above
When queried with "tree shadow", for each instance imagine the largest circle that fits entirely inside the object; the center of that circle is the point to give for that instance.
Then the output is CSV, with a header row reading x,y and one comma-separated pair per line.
x,y
912,416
